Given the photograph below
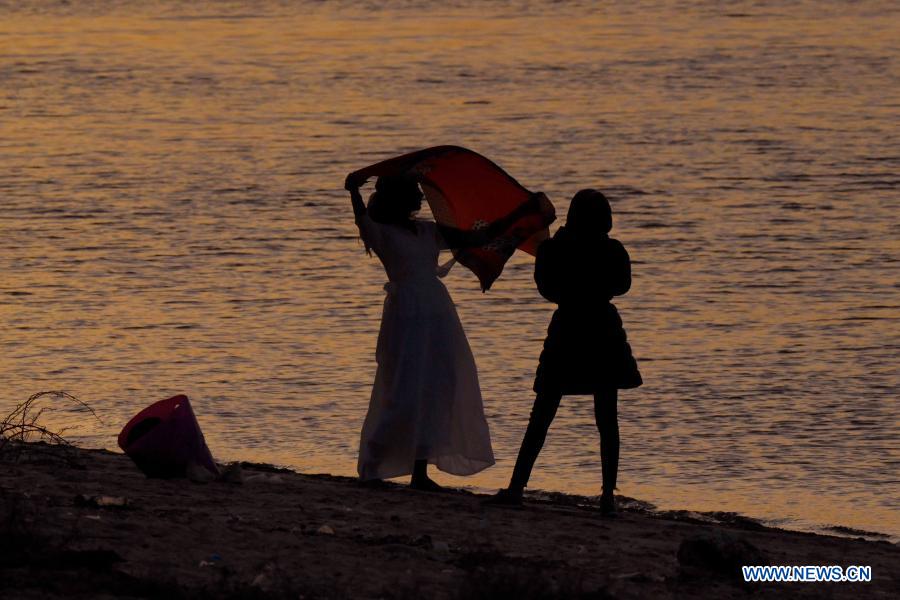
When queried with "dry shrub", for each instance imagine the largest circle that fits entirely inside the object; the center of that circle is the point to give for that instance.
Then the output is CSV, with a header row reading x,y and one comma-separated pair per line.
x,y
24,425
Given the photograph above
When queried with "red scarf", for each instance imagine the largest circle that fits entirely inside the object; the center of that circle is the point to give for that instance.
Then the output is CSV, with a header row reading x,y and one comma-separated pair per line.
x,y
467,191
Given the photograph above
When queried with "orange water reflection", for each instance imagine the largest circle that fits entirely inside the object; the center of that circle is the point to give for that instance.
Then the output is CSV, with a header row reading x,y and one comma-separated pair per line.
x,y
173,222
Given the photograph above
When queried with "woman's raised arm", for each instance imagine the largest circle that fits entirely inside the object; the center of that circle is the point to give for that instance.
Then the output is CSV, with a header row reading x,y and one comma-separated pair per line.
x,y
352,185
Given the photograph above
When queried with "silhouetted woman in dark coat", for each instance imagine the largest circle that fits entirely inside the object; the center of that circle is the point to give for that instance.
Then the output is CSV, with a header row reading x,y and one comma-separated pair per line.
x,y
586,351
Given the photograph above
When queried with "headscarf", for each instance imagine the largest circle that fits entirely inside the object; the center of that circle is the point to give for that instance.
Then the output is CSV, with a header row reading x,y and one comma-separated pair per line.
x,y
580,262
589,214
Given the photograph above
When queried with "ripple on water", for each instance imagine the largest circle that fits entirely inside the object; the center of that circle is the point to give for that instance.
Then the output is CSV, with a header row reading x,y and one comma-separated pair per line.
x,y
174,222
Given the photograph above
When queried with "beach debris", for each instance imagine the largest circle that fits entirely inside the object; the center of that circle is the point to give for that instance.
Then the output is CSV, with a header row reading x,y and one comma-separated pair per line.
x,y
717,551
102,501
212,561
441,548
164,440
857,533
231,473
729,519
269,578
325,530
198,473
264,478
262,581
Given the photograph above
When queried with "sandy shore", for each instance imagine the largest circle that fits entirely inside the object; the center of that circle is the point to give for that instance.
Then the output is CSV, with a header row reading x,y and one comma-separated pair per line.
x,y
281,534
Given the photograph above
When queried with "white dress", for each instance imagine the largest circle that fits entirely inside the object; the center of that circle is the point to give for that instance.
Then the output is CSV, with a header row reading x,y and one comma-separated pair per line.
x,y
426,401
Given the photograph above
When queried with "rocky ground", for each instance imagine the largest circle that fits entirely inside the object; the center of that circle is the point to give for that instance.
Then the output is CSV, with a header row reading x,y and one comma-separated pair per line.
x,y
87,524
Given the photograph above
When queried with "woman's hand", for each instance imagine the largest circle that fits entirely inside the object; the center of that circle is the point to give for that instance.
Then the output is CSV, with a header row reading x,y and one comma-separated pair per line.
x,y
540,202
354,182
537,202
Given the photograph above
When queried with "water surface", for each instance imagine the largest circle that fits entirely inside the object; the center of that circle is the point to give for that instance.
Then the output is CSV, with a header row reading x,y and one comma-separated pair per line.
x,y
173,221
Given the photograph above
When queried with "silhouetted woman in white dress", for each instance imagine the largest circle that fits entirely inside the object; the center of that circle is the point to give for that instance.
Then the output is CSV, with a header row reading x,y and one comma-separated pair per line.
x,y
426,405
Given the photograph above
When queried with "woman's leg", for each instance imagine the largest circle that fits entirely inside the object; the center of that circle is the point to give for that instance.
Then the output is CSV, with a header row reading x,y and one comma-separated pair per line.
x,y
606,414
542,414
420,479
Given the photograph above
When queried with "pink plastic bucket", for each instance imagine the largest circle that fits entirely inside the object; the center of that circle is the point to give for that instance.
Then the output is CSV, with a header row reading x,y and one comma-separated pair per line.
x,y
164,438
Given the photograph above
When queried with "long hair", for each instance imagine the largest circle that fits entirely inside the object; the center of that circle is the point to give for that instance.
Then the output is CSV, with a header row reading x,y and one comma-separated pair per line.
x,y
395,199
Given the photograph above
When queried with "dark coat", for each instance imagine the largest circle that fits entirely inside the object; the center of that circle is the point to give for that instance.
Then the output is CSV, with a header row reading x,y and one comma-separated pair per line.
x,y
586,349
